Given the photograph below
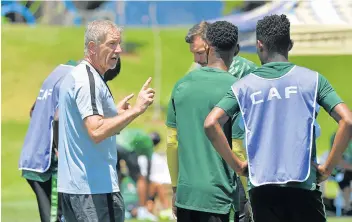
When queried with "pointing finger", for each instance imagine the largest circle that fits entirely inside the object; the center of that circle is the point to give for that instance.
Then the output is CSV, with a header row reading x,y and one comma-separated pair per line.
x,y
147,83
128,97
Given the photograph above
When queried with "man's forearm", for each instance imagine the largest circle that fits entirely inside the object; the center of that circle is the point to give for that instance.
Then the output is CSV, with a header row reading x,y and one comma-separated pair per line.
x,y
111,126
216,135
341,141
172,154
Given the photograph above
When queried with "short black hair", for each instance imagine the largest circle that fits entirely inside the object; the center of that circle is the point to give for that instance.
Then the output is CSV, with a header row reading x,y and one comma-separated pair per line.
x,y
274,32
197,30
222,35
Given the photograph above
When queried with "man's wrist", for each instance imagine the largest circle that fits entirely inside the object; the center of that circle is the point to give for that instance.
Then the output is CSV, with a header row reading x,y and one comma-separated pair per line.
x,y
137,110
328,168
174,189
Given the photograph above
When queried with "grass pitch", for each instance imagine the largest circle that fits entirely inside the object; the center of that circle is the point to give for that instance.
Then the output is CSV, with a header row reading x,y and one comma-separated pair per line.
x,y
29,54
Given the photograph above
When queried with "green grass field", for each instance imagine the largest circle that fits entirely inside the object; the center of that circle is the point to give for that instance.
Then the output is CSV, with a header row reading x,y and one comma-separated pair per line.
x,y
29,55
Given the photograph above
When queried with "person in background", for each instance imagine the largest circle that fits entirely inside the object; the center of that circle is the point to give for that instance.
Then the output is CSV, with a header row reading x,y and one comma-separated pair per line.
x,y
159,181
132,143
345,183
38,159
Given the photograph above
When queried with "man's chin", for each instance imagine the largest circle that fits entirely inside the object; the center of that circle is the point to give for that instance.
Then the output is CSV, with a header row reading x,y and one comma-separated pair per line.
x,y
113,66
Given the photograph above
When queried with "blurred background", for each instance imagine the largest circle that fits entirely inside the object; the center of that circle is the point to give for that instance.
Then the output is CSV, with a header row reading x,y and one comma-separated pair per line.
x,y
36,36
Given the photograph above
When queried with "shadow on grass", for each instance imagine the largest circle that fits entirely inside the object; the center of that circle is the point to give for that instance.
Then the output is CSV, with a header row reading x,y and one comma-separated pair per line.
x,y
131,47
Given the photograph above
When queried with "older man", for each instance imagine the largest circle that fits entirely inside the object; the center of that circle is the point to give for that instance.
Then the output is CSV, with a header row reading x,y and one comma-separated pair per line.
x,y
87,176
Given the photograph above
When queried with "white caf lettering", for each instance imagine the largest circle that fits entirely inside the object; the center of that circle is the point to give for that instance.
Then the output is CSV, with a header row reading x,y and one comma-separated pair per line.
x,y
44,93
257,97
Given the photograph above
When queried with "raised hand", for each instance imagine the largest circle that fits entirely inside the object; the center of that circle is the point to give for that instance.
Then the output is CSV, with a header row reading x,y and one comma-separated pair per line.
x,y
123,105
145,97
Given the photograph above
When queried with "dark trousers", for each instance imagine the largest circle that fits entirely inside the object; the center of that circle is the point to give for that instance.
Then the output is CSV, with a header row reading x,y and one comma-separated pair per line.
x,y
42,192
286,204
107,207
245,211
347,178
246,216
184,215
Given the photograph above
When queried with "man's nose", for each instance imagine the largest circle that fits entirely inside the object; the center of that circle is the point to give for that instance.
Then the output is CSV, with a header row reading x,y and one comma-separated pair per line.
x,y
118,49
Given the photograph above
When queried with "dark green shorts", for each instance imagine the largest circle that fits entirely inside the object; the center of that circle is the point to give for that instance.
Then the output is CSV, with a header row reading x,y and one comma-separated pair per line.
x,y
93,207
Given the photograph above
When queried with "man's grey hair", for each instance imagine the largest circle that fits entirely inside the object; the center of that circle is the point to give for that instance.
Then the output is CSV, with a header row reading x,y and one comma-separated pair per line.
x,y
199,29
96,31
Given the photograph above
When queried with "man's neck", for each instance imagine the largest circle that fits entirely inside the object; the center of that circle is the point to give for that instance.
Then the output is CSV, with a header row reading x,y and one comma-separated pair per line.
x,y
95,66
277,58
219,64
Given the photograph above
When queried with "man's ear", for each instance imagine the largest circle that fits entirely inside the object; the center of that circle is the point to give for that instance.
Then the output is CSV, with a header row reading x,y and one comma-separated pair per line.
x,y
206,46
290,46
92,47
260,45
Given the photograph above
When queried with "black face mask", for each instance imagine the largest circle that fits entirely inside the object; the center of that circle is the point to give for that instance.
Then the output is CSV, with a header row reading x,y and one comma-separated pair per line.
x,y
112,73
237,50
207,52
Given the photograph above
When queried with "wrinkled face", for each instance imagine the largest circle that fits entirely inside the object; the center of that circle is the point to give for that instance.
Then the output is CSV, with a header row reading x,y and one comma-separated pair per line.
x,y
108,51
198,49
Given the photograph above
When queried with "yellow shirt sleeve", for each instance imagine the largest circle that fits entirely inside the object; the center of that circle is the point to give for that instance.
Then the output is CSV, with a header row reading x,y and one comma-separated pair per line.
x,y
172,154
237,148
